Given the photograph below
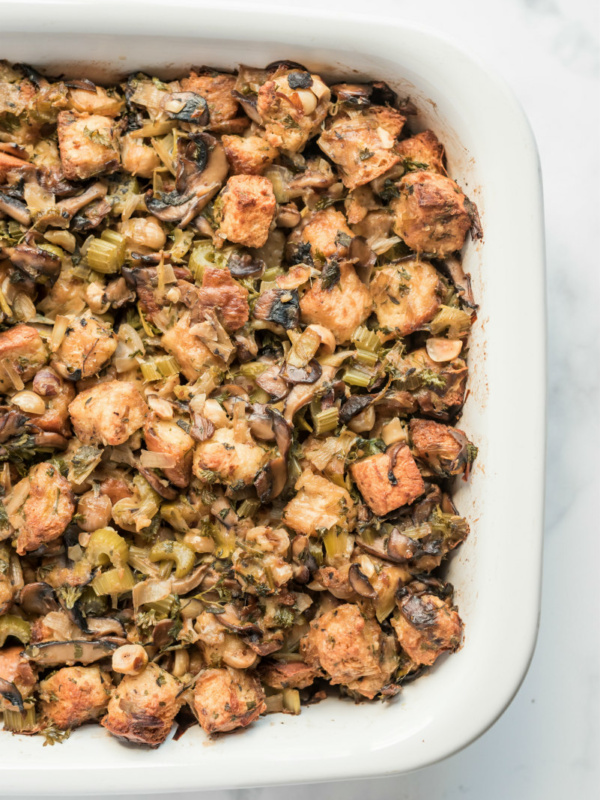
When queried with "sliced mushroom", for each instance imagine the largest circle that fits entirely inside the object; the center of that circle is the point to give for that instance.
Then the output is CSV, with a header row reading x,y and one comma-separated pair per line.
x,y
281,306
15,209
353,94
52,654
360,583
172,207
162,487
230,620
38,599
245,265
354,405
401,547
452,268
66,209
271,382
271,480
222,509
37,264
162,635
308,374
11,694
364,258
186,107
202,429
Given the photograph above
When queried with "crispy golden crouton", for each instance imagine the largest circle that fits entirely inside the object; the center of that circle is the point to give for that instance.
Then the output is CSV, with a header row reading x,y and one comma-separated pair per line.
x,y
319,505
74,695
226,296
350,649
142,707
225,699
86,347
248,155
422,152
191,355
230,460
362,143
292,105
426,626
327,233
108,413
406,296
248,209
16,668
22,348
442,447
166,436
88,145
216,89
47,510
341,307
388,480
57,393
432,214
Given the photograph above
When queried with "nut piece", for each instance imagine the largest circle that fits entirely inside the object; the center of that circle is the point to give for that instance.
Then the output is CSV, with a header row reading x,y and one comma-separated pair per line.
x,y
130,659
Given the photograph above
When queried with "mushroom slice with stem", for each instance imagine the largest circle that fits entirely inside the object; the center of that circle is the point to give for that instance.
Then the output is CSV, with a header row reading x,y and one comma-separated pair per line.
x,y
186,107
51,654
38,599
11,694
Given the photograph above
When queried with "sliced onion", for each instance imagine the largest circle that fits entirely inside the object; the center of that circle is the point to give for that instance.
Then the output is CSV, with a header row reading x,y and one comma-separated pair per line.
x,y
151,460
150,591
18,495
61,323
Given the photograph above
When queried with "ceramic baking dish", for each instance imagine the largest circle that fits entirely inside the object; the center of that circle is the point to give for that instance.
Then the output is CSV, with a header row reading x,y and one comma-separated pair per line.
x,y
491,152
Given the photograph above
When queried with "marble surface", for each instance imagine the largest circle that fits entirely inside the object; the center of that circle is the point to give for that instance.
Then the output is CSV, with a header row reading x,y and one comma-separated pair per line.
x,y
547,743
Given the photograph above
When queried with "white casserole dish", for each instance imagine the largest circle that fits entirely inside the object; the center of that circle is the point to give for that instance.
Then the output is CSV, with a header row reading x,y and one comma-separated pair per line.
x,y
492,154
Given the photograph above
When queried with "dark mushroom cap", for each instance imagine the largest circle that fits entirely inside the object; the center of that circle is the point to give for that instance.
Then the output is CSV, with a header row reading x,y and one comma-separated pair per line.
x,y
51,654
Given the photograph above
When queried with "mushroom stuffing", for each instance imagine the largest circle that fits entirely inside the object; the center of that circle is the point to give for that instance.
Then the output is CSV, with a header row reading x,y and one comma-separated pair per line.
x,y
233,340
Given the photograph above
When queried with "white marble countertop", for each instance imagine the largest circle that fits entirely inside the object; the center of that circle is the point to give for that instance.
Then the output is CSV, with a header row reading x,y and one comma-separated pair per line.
x,y
546,745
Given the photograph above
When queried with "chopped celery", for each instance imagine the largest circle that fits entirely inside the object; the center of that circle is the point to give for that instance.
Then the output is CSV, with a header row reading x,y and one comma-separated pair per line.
x,y
364,339
105,257
456,322
356,377
248,508
11,625
366,357
179,553
106,546
326,420
18,722
115,581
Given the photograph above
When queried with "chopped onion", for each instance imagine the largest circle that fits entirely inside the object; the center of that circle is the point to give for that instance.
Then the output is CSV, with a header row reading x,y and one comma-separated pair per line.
x,y
12,374
61,323
150,591
152,460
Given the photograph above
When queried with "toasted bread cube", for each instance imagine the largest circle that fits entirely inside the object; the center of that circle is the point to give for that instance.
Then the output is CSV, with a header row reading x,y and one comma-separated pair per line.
x,y
88,145
319,505
422,152
287,675
406,296
74,695
248,155
142,707
426,626
226,296
166,436
350,649
326,233
216,88
388,480
248,209
432,215
23,349
47,510
341,307
86,348
16,668
108,413
362,143
292,105
192,356
230,460
225,699
444,448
